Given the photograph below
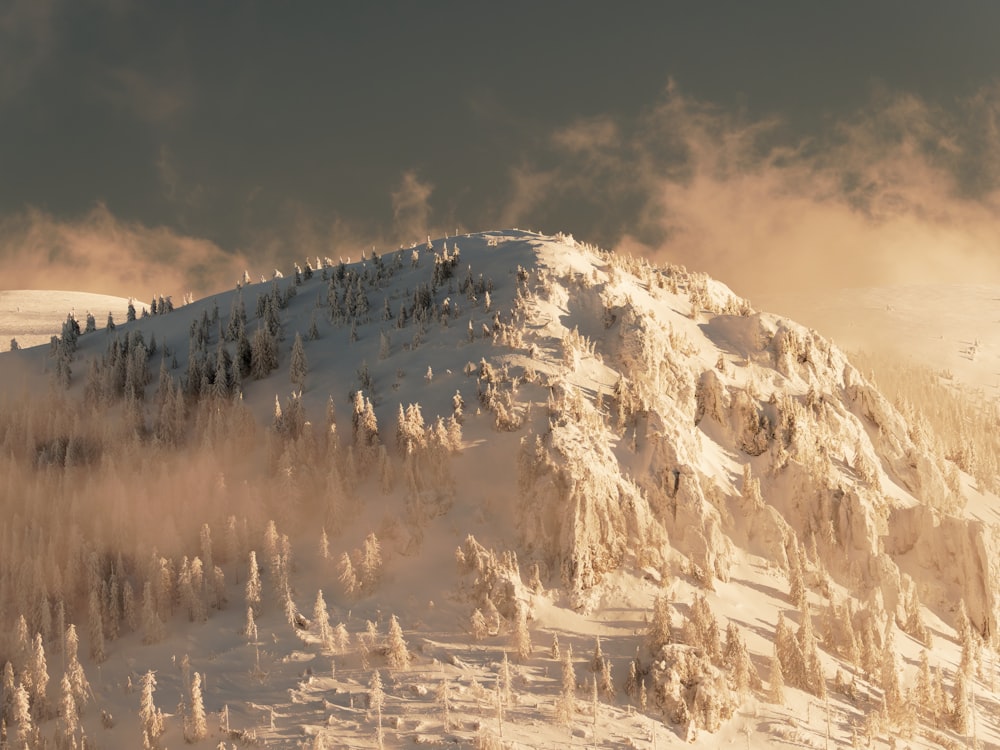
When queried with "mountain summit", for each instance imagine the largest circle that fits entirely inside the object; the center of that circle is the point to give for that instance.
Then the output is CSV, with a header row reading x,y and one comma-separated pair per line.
x,y
502,438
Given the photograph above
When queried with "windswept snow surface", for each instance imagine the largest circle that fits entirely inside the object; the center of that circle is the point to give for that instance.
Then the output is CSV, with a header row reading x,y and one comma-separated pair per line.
x,y
627,433
34,316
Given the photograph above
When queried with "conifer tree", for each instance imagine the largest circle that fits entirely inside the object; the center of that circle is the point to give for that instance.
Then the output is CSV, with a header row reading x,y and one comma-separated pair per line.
x,y
250,629
22,717
150,717
96,627
397,654
736,657
777,679
659,628
960,704
376,702
152,625
197,725
607,683
789,652
39,682
566,703
478,625
597,660
444,698
299,366
347,575
506,683
321,619
7,690
253,587
521,637
69,719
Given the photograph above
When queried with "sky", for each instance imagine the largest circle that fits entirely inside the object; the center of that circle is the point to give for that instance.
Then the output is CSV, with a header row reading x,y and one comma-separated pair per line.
x,y
158,148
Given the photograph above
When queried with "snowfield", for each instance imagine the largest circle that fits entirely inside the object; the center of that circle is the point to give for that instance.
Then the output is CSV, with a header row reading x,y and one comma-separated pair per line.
x,y
34,316
498,490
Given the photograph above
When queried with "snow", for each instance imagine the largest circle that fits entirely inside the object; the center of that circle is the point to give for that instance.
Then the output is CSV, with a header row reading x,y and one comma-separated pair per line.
x,y
627,402
33,316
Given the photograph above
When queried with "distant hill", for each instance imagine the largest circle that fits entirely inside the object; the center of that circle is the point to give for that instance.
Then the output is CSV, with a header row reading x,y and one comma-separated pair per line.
x,y
34,316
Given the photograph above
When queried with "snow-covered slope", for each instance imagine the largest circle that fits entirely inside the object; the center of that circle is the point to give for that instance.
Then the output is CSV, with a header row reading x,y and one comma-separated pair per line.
x,y
33,316
543,442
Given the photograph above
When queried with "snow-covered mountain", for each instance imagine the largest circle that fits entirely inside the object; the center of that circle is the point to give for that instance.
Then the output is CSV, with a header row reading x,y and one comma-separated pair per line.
x,y
600,502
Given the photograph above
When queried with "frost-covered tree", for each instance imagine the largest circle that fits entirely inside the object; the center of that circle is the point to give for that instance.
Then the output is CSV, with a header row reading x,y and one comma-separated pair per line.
x,y
321,621
736,658
196,728
39,678
376,702
69,718
480,629
660,626
396,652
960,712
22,717
95,622
253,587
566,702
263,353
299,367
250,629
152,625
777,680
521,636
348,578
150,717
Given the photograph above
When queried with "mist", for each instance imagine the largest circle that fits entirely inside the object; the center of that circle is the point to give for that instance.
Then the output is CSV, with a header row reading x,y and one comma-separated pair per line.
x,y
900,192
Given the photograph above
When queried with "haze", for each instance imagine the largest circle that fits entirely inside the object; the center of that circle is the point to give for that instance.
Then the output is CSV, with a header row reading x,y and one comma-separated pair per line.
x,y
152,149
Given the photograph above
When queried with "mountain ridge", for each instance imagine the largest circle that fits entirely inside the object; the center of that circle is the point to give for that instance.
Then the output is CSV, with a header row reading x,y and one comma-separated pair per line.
x,y
628,432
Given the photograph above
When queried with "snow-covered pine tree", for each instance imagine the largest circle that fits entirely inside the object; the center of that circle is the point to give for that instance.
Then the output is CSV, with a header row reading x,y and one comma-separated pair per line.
x,y
96,627
321,622
521,636
250,629
152,625
396,653
39,682
253,587
660,626
299,367
478,625
376,701
777,679
348,578
22,717
150,717
196,728
69,719
566,702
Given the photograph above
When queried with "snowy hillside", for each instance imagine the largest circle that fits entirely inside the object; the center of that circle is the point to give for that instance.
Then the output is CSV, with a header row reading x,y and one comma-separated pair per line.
x,y
496,490
31,317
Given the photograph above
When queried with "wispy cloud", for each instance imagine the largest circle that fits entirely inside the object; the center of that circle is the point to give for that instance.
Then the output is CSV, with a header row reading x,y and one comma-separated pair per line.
x,y
902,191
411,207
101,253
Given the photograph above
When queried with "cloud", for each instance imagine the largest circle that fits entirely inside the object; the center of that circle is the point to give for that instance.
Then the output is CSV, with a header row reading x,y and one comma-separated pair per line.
x,y
26,40
411,207
175,189
148,99
101,253
900,192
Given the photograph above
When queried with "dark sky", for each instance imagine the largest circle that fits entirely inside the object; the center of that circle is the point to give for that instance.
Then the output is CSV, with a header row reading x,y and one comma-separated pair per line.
x,y
274,129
